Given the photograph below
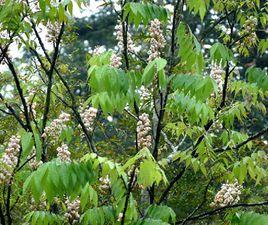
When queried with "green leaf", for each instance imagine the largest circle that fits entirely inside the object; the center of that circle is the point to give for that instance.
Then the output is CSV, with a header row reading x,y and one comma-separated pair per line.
x,y
38,144
163,213
219,53
27,143
56,178
191,57
144,12
249,218
43,218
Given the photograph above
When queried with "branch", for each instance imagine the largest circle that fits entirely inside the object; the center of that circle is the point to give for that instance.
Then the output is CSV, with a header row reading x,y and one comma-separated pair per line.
x,y
215,211
2,217
200,205
20,91
172,182
130,185
171,145
13,112
49,88
236,147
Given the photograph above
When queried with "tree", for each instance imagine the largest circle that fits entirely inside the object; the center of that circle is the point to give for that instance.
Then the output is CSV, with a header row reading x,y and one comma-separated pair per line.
x,y
185,148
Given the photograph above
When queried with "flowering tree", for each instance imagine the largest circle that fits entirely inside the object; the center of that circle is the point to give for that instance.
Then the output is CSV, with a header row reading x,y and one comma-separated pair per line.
x,y
182,113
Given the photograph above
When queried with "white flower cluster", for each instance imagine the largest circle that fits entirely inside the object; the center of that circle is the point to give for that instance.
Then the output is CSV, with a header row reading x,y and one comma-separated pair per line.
x,y
250,26
88,116
72,213
105,182
120,217
115,60
216,127
63,153
217,73
38,206
119,37
229,194
144,93
98,50
56,126
33,163
53,31
143,131
157,41
249,34
10,158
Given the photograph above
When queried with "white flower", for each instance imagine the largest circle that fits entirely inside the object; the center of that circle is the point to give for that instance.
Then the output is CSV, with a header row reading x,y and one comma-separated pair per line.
x,y
217,73
72,213
63,153
115,60
56,126
9,159
157,41
120,217
88,116
120,38
229,194
144,131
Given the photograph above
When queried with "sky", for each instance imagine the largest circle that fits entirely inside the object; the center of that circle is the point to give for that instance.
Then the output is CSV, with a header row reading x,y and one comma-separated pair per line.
x,y
88,10
92,8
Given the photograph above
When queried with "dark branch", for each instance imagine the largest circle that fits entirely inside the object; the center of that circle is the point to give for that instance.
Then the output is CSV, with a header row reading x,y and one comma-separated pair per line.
x,y
216,211
251,138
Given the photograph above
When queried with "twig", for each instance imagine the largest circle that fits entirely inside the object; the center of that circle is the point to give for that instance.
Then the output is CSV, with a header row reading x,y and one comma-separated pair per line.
x,y
49,88
252,137
20,91
215,211
200,205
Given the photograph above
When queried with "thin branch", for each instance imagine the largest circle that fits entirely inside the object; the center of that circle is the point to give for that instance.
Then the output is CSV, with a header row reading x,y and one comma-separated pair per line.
x,y
216,211
170,144
50,81
171,184
2,217
13,112
252,137
20,91
130,185
200,205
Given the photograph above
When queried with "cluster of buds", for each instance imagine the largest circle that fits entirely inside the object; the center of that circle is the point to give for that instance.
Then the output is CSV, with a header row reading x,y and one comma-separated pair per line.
x,y
120,38
72,214
105,182
120,217
249,34
217,73
56,126
144,131
53,31
63,153
31,105
33,163
115,60
2,2
98,50
88,117
157,41
216,127
9,159
145,94
229,194
40,206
